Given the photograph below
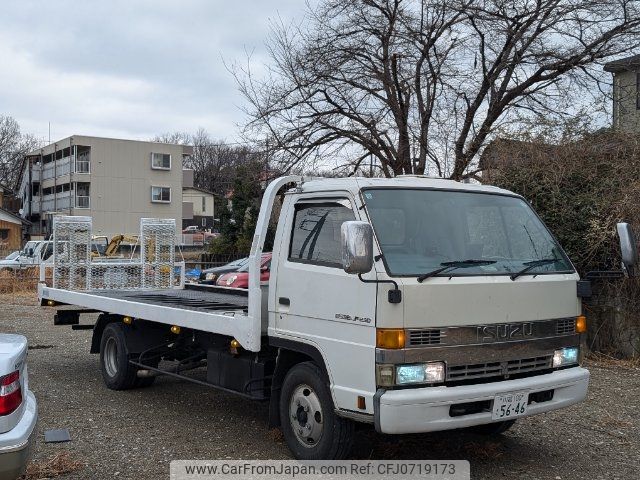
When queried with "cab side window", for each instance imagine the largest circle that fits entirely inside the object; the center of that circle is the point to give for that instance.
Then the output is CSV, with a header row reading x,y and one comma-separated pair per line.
x,y
315,238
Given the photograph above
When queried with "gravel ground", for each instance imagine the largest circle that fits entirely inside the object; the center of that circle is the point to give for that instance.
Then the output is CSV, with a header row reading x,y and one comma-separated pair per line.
x,y
135,434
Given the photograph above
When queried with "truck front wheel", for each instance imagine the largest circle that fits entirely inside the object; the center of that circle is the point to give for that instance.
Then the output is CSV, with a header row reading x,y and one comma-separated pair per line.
x,y
117,372
310,426
492,428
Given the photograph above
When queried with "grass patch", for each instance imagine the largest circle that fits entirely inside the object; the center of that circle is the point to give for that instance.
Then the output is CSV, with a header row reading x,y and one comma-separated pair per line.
x,y
59,464
599,359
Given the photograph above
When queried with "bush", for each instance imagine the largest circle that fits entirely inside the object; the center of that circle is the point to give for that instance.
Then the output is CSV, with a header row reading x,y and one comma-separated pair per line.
x,y
581,189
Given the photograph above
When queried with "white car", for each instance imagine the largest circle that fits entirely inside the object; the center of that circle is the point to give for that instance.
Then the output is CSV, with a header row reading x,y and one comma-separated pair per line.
x,y
12,255
18,407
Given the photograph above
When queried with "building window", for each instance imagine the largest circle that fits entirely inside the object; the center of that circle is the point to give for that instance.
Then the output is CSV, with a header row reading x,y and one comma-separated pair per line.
x,y
204,222
204,205
4,234
316,232
83,164
161,194
161,161
83,199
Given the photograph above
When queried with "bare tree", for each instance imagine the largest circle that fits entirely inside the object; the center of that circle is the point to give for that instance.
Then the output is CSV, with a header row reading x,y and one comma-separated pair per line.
x,y
215,162
422,85
13,147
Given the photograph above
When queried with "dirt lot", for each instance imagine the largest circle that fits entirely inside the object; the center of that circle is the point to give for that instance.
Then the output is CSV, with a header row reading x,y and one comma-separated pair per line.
x,y
135,434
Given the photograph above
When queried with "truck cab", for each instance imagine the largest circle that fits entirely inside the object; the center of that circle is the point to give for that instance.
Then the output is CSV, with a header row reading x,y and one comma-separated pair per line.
x,y
33,253
456,306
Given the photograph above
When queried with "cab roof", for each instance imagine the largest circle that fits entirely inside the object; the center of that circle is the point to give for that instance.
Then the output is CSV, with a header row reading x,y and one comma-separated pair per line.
x,y
354,184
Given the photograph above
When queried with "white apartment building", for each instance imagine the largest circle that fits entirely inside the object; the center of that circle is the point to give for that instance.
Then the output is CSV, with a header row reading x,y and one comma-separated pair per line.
x,y
116,182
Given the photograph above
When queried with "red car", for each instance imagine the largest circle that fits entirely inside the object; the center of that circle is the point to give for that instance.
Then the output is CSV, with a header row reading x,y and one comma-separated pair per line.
x,y
240,279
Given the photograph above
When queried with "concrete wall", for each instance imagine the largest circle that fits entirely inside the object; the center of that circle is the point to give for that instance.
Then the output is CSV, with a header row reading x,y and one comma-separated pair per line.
x,y
121,179
626,115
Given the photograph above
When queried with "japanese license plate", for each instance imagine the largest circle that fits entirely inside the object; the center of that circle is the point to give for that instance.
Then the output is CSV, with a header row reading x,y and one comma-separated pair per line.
x,y
509,405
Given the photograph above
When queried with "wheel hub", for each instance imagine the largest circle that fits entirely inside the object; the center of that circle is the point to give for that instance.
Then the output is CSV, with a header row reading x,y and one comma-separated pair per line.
x,y
306,416
111,357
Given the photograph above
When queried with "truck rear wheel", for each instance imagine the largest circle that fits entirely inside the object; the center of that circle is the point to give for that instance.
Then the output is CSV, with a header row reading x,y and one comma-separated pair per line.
x,y
117,372
310,426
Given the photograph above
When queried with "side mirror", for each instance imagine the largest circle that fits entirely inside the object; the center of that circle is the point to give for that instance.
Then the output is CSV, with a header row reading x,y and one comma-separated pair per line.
x,y
628,247
357,247
30,252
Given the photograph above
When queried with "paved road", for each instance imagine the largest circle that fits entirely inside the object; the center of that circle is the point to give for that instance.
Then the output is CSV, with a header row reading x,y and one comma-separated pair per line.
x,y
135,434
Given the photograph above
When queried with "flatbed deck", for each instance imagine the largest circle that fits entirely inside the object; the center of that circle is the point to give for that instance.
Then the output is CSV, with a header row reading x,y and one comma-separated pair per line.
x,y
215,310
196,300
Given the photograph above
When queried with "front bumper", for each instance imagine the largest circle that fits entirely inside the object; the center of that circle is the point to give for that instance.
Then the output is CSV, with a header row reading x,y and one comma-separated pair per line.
x,y
16,445
427,409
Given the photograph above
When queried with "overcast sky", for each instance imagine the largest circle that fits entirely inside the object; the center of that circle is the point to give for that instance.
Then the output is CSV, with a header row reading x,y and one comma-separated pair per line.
x,y
130,69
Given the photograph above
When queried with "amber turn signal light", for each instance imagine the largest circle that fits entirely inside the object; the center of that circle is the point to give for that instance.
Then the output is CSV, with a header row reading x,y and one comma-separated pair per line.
x,y
581,324
392,338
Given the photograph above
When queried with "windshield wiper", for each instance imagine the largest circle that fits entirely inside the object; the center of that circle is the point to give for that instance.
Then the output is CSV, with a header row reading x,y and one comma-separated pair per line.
x,y
533,264
453,265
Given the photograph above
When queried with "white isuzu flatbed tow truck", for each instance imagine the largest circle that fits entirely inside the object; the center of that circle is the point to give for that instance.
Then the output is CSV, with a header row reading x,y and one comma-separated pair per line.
x,y
413,304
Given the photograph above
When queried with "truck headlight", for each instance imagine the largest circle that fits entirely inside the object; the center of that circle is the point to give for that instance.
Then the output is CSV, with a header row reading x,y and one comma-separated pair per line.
x,y
432,372
565,356
410,374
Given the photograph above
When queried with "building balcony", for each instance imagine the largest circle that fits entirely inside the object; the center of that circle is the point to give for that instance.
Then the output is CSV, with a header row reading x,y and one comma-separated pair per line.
x,y
61,167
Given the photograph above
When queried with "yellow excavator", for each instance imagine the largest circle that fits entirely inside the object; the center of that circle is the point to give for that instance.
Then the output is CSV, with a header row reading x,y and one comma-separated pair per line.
x,y
113,246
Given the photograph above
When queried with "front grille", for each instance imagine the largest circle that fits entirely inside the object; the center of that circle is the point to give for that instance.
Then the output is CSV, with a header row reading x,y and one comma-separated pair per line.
x,y
529,364
498,369
566,326
424,337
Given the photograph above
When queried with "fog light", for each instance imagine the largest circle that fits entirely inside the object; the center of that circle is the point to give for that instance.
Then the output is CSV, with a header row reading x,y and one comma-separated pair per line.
x,y
175,329
565,356
384,375
432,372
127,320
50,303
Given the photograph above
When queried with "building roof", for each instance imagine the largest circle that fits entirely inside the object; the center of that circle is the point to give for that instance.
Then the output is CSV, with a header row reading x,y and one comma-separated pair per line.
x,y
628,63
187,149
18,219
201,190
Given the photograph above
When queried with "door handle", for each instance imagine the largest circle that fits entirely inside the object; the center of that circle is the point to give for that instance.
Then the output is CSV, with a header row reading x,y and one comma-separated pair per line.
x,y
284,301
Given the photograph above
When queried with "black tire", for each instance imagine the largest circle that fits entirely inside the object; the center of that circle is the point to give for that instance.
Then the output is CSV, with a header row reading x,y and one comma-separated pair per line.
x,y
117,372
306,382
492,428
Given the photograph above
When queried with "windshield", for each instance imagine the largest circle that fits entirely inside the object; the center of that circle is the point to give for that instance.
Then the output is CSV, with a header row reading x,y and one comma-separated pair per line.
x,y
420,230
